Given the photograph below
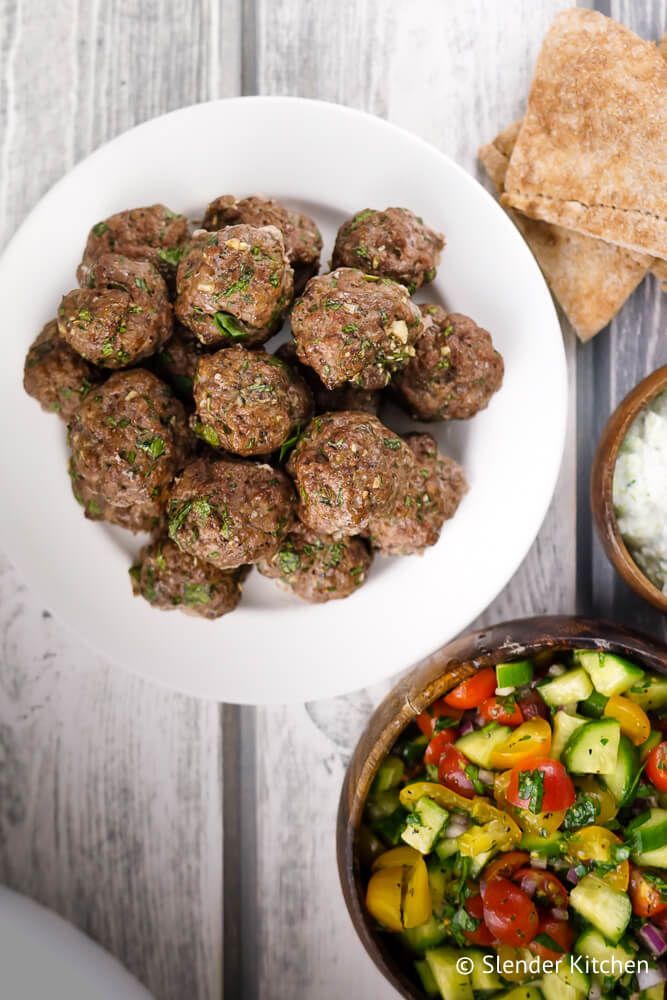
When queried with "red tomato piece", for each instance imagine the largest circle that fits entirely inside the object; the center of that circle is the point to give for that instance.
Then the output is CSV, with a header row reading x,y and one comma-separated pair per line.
x,y
428,720
452,772
543,887
505,711
560,933
656,767
551,791
645,897
438,744
481,935
506,865
509,912
472,692
532,704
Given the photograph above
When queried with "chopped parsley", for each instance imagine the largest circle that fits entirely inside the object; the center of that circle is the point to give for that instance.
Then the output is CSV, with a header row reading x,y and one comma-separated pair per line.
x,y
100,228
227,324
171,255
584,812
196,594
531,789
154,446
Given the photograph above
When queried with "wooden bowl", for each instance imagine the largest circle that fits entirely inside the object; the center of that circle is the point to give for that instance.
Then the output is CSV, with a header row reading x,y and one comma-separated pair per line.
x,y
602,483
428,681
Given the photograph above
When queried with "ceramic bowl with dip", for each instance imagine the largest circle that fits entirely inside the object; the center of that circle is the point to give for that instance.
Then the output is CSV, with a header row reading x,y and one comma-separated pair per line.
x,y
629,489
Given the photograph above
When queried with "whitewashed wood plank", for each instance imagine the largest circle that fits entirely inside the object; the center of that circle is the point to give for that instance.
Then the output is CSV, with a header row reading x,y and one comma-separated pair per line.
x,y
110,789
455,73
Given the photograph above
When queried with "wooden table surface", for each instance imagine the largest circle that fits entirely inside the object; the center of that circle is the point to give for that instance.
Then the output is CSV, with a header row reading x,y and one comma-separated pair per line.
x,y
196,841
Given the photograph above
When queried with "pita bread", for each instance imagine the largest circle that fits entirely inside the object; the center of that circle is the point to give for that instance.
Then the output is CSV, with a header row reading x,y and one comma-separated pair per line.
x,y
590,279
591,154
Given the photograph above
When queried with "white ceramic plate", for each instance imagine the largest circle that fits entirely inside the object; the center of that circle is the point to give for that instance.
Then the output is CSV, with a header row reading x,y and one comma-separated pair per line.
x,y
331,161
42,956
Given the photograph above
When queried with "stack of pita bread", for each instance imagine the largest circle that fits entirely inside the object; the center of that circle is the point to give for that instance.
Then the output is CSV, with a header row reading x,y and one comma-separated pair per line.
x,y
584,174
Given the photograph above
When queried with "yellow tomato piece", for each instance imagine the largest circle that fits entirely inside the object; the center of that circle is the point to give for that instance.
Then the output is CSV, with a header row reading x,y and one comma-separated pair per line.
x,y
618,878
510,963
592,843
496,835
384,896
633,720
606,805
531,739
417,900
478,807
397,856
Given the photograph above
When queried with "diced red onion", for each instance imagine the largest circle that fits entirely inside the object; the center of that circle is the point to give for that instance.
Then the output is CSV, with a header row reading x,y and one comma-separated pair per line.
x,y
538,862
486,777
560,914
505,692
556,669
572,876
466,727
650,977
456,827
595,992
654,940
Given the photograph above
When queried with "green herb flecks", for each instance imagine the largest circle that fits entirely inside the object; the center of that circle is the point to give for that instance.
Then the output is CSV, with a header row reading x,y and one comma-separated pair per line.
x,y
195,594
100,228
227,324
531,789
171,255
154,446
177,516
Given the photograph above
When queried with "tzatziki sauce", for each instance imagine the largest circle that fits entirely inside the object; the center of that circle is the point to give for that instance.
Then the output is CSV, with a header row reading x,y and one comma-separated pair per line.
x,y
640,490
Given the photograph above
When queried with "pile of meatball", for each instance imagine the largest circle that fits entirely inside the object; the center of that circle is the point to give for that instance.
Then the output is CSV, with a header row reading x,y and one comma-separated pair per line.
x,y
183,425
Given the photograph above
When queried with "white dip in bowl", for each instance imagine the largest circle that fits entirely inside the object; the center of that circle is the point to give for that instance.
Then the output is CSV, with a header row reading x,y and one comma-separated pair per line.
x,y
640,490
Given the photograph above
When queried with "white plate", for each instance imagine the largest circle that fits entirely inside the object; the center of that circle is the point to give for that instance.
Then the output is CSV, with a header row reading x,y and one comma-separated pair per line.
x,y
42,956
331,161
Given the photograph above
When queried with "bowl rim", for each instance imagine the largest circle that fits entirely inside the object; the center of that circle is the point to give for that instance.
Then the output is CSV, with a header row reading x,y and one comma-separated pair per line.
x,y
428,681
602,486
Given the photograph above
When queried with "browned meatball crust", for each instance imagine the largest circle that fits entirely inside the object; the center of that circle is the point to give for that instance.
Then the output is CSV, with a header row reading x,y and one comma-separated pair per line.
x,y
176,361
153,233
303,241
168,578
234,285
148,516
346,397
351,327
391,244
229,513
55,375
129,438
318,568
348,468
429,496
121,317
455,370
248,402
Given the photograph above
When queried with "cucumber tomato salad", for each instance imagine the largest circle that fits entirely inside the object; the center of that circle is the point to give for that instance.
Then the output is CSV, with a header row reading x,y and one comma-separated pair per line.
x,y
521,825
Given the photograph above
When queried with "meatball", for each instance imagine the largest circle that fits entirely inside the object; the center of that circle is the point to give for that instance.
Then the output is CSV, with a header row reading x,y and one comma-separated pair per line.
x,y
121,317
153,233
176,362
391,244
129,438
318,568
168,578
455,370
429,496
348,468
146,516
248,402
351,327
234,285
229,513
303,242
55,375
346,397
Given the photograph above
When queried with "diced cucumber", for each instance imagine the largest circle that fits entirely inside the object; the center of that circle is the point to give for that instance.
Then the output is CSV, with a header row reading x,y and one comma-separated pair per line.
x,y
593,748
553,988
479,861
545,847
645,748
437,881
382,804
514,674
610,674
527,991
594,705
428,935
648,836
605,908
484,980
591,944
429,984
480,744
650,692
564,725
424,825
445,847
656,992
621,781
390,773
574,977
572,686
453,985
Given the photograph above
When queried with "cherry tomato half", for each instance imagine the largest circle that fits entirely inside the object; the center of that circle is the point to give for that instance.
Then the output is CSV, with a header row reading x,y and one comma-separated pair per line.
x,y
505,865
543,887
530,741
560,933
543,785
481,935
452,772
428,720
656,767
509,912
506,711
645,897
471,693
438,744
532,704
